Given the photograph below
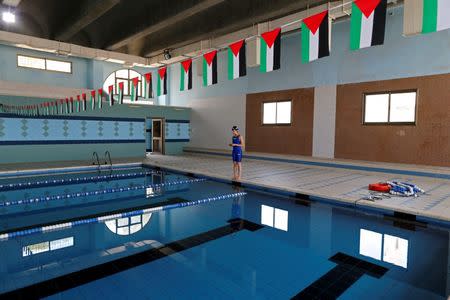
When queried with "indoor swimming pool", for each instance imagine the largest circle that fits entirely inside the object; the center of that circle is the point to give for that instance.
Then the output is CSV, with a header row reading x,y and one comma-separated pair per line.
x,y
150,234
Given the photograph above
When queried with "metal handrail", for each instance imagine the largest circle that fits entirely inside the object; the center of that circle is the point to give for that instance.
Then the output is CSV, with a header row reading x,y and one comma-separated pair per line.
x,y
109,156
95,155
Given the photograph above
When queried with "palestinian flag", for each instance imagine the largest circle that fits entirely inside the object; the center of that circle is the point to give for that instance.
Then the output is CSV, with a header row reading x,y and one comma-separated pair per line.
x,y
237,65
100,98
61,106
148,88
83,97
186,75
78,103
270,49
67,106
111,95
71,105
316,37
55,106
210,68
121,92
134,89
433,15
93,99
368,23
162,81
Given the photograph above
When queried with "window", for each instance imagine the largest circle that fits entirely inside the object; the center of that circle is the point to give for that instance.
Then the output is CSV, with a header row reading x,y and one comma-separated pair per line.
x,y
47,246
384,247
44,64
278,112
274,217
125,76
390,108
128,225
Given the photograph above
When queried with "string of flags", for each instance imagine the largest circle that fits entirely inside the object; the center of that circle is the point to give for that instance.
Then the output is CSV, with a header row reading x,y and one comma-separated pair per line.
x,y
71,105
367,29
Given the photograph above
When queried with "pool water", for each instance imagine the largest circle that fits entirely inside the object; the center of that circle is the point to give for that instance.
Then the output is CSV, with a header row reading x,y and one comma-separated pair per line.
x,y
156,240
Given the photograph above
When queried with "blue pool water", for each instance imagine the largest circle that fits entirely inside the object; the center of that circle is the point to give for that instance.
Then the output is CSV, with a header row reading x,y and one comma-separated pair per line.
x,y
144,234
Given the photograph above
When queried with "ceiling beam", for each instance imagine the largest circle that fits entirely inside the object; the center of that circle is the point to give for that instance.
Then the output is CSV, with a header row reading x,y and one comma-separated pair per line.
x,y
290,8
92,12
181,16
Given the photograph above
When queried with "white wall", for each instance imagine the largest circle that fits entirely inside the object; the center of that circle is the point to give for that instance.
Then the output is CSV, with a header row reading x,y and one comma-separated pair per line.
x,y
212,119
324,121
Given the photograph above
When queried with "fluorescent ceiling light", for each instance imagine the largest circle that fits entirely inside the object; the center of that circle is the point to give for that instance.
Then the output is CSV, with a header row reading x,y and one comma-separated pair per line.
x,y
117,61
11,2
8,17
36,48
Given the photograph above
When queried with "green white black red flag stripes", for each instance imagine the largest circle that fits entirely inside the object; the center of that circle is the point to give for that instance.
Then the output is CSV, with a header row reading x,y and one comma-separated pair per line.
x,y
55,107
148,88
78,103
435,14
162,81
111,95
100,98
237,65
71,105
186,75
121,85
67,109
316,35
210,68
368,23
270,50
134,89
61,106
83,102
93,99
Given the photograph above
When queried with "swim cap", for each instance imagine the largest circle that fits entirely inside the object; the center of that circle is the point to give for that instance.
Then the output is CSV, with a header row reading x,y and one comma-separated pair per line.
x,y
235,128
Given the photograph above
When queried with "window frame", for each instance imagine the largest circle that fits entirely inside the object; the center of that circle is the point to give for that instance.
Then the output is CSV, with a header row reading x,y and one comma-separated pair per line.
x,y
390,123
45,62
130,83
276,107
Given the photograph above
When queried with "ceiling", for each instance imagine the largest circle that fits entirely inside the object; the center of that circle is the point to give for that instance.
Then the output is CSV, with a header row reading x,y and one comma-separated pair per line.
x,y
142,27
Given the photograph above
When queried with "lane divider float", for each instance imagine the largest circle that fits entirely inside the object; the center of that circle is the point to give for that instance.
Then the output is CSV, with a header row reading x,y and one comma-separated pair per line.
x,y
97,192
50,182
67,225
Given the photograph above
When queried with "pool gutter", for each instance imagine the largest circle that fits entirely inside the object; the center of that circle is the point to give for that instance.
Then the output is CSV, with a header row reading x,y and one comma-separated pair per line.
x,y
362,205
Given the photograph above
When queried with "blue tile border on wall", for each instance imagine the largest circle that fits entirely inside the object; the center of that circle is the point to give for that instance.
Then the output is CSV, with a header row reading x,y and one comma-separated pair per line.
x,y
334,165
178,121
176,140
69,142
65,117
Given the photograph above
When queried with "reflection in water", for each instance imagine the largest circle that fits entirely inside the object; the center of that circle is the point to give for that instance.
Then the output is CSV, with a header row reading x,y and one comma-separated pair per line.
x,y
47,246
395,249
274,217
128,225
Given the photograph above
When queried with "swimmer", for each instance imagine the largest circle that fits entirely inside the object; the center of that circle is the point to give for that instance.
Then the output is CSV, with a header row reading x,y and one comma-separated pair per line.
x,y
238,145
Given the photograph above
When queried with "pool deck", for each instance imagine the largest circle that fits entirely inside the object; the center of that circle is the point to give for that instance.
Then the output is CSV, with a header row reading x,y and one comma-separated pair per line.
x,y
342,181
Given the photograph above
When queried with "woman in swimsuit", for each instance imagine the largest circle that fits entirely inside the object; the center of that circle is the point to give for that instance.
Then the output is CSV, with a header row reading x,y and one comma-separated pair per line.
x,y
238,146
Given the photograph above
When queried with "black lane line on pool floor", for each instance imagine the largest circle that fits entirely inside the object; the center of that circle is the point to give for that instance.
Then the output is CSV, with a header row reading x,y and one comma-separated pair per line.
x,y
72,280
336,281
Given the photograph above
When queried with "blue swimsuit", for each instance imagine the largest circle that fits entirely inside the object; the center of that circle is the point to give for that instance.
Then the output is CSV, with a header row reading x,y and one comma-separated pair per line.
x,y
237,150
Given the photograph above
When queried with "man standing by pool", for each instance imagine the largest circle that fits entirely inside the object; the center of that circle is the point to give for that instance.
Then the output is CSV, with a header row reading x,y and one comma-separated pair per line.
x,y
238,145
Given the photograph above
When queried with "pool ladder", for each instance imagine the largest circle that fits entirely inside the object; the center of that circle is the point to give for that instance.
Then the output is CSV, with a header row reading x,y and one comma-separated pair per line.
x,y
95,156
108,155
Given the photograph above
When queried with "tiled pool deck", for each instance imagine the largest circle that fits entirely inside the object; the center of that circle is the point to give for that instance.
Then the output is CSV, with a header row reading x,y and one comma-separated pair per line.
x,y
342,181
